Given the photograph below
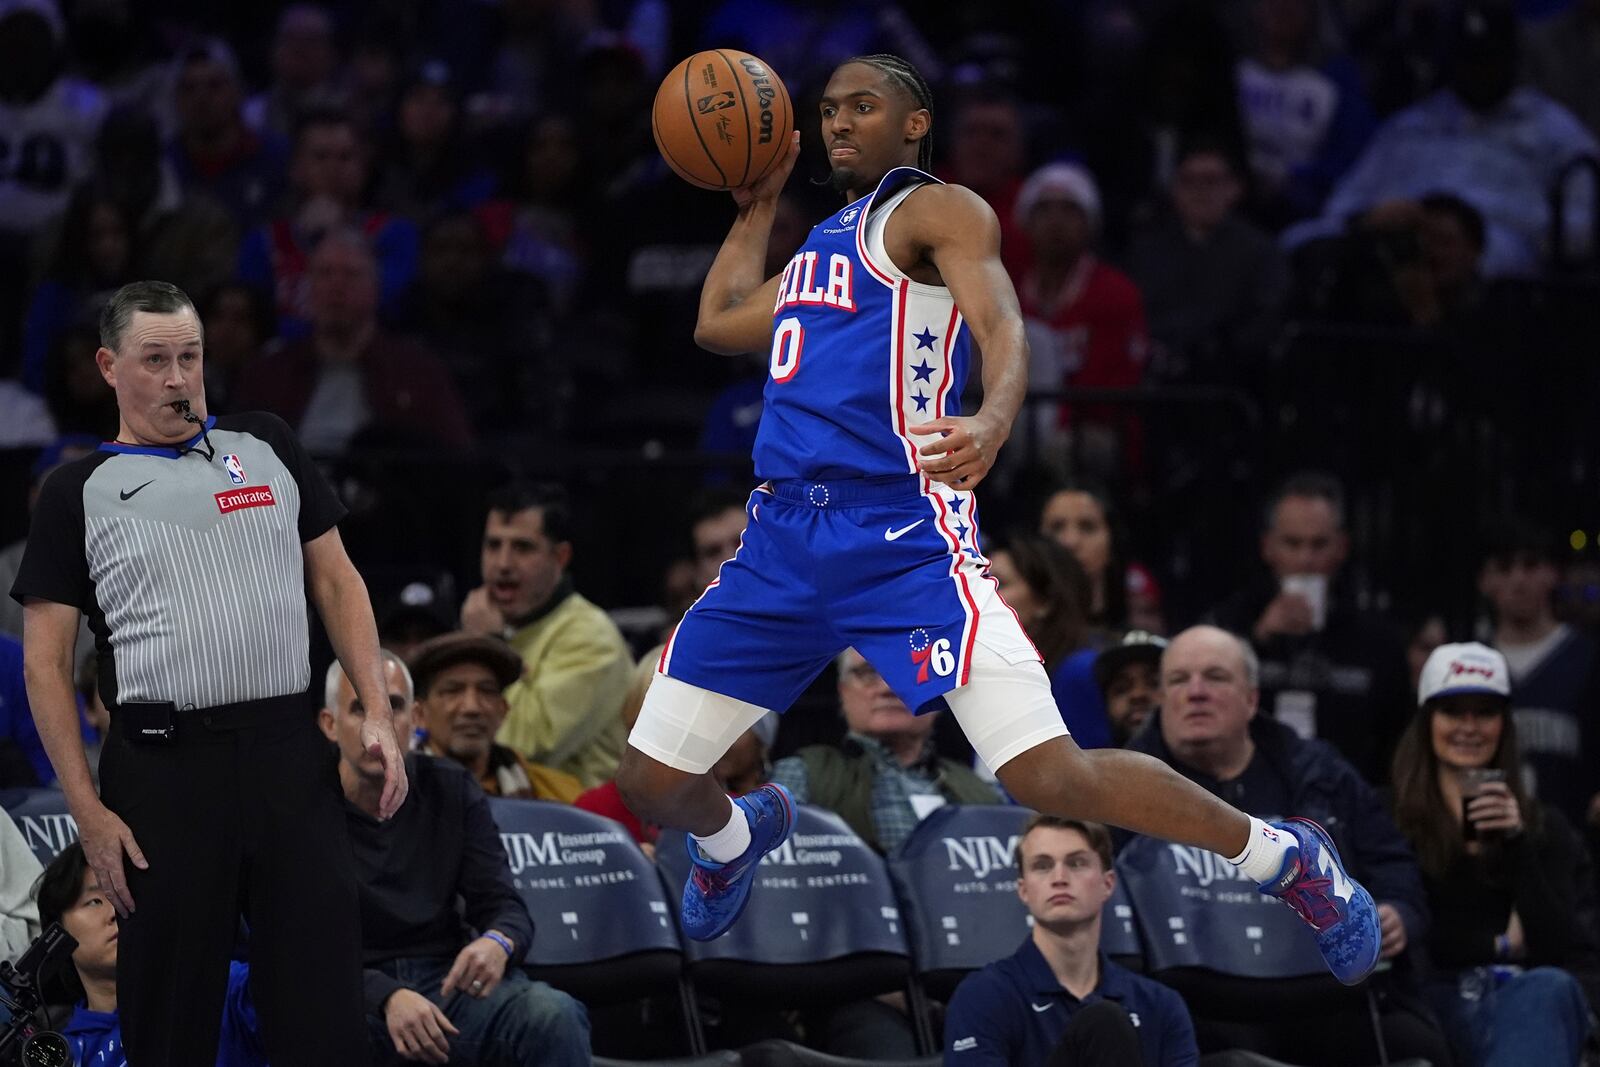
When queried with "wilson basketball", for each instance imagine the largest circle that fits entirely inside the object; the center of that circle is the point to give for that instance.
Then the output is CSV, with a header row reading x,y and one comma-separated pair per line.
x,y
722,119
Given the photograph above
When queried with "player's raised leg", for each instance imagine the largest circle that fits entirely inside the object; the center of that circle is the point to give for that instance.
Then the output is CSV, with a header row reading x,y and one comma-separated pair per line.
x,y
1004,707
665,777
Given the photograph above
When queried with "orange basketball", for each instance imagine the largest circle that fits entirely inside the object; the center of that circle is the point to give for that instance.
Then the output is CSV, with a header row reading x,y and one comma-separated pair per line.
x,y
722,118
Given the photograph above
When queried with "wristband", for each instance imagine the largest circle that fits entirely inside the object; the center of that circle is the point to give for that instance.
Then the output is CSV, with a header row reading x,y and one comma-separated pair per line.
x,y
505,943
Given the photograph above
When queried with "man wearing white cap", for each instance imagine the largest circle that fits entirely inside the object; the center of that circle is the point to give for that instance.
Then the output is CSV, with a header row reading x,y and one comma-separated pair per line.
x,y
1085,318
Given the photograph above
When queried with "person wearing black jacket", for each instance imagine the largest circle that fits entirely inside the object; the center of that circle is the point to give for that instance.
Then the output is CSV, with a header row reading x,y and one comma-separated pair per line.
x,y
1505,874
443,983
1328,670
1207,729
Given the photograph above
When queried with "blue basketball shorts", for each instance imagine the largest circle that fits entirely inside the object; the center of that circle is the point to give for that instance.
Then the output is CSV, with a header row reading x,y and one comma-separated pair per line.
x,y
891,567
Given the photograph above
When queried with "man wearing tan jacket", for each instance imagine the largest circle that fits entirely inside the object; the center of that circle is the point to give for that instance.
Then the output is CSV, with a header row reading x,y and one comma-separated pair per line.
x,y
564,710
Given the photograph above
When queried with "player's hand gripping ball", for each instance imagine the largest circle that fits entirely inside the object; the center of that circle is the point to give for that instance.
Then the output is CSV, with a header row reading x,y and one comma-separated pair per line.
x,y
722,119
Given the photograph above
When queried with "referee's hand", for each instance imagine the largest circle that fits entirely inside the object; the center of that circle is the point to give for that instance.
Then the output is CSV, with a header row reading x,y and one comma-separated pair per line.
x,y
377,737
105,837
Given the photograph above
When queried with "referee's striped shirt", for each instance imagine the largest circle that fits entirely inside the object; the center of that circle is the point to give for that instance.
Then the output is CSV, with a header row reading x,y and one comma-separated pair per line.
x,y
188,567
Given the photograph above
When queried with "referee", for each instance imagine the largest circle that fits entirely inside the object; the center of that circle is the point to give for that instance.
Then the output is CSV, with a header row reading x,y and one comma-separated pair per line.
x,y
191,542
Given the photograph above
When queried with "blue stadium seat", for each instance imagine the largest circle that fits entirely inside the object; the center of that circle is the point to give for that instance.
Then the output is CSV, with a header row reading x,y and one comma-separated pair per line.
x,y
604,929
822,925
1233,953
41,815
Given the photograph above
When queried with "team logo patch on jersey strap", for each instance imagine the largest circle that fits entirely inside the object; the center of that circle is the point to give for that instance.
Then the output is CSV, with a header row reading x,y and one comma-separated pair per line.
x,y
238,499
848,215
234,468
928,654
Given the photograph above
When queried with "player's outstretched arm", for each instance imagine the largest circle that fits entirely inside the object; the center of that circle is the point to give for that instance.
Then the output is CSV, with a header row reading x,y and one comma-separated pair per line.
x,y
735,305
957,232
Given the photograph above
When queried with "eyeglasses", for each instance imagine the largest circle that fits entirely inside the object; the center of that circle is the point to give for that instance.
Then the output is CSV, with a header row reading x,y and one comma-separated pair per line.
x,y
863,674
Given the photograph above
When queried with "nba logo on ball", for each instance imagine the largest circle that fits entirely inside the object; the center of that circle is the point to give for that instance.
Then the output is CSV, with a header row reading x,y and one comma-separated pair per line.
x,y
234,468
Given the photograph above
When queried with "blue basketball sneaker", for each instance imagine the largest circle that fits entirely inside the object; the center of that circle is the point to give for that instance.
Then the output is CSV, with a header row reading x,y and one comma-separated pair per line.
x,y
1314,883
716,893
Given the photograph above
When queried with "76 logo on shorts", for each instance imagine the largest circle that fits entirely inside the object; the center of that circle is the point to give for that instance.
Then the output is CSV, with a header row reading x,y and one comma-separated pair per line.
x,y
926,653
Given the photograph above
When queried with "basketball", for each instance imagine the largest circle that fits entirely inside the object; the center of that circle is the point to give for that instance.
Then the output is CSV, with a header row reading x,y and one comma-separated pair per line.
x,y
722,119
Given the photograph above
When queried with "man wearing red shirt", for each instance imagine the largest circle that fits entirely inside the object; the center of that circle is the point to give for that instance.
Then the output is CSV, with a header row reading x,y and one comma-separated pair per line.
x,y
1085,318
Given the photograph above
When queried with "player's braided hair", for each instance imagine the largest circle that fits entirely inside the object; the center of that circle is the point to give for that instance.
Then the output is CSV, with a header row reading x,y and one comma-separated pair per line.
x,y
903,74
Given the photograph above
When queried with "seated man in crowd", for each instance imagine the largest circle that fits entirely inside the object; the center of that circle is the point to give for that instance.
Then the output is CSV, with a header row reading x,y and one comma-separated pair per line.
x,y
1129,676
443,985
461,680
1058,999
565,709
1328,669
69,893
884,777
1208,730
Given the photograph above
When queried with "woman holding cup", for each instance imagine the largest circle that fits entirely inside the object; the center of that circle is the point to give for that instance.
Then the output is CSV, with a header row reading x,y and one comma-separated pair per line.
x,y
1501,871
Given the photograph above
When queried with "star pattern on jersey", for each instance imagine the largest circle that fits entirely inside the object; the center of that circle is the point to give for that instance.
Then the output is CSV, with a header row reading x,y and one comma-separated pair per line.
x,y
955,503
972,552
922,402
925,339
923,371
961,531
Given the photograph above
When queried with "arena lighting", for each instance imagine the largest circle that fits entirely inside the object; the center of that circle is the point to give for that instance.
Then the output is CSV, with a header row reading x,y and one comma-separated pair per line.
x,y
1579,540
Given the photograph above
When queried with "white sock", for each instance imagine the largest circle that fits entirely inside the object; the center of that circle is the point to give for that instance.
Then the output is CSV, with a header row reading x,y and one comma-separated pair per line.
x,y
729,842
1264,853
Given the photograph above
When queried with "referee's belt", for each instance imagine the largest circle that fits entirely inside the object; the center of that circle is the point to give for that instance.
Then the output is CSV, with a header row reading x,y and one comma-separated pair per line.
x,y
246,713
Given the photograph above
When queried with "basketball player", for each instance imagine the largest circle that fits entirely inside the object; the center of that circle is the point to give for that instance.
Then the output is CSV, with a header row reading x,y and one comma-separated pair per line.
x,y
863,532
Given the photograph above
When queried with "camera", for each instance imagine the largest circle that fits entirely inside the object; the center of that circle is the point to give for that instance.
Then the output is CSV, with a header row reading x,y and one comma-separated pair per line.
x,y
22,1041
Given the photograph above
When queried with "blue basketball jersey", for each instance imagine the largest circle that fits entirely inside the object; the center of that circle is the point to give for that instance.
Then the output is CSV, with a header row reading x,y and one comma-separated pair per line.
x,y
859,351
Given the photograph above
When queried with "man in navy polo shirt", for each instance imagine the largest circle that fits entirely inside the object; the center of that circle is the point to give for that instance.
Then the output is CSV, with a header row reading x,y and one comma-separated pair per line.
x,y
1058,1000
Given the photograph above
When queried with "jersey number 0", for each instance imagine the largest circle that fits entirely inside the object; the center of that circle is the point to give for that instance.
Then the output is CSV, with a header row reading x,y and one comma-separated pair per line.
x,y
788,338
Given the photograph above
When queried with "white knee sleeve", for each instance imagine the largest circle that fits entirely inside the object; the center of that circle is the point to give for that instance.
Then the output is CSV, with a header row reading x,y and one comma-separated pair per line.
x,y
1006,707
687,727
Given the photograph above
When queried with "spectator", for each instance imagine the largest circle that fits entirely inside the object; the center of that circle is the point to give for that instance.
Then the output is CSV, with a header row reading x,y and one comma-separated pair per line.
x,y
492,326
96,254
606,799
19,911
1064,879
1044,584
429,167
117,50
1129,677
565,708
1208,730
1423,636
214,149
186,236
55,115
1084,521
441,982
1503,871
69,893
1304,110
1328,670
78,398
419,611
1213,284
537,225
716,528
1084,318
1498,146
461,682
1555,670
305,64
1560,54
885,776
239,324
327,181
349,379
988,154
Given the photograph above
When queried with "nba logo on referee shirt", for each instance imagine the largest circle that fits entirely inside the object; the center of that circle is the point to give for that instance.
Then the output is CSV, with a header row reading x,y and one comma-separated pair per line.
x,y
235,468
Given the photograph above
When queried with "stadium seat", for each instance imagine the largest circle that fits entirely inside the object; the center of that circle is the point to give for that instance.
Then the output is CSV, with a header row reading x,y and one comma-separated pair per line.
x,y
788,1054
41,815
1234,955
956,876
605,931
822,926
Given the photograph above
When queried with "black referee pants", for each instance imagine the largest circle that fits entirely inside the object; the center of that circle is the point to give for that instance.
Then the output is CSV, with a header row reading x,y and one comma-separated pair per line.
x,y
244,814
